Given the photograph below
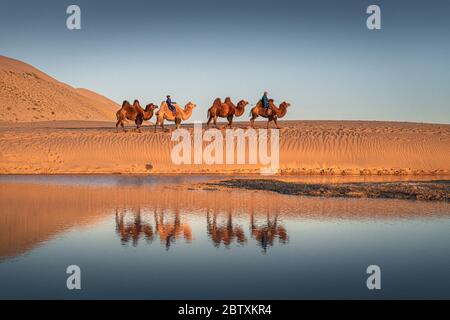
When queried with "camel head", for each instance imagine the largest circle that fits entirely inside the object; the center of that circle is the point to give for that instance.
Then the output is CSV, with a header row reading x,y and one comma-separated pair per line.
x,y
242,104
151,107
285,104
190,105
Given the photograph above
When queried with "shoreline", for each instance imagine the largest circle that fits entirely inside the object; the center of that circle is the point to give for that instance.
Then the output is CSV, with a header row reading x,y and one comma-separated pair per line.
x,y
438,190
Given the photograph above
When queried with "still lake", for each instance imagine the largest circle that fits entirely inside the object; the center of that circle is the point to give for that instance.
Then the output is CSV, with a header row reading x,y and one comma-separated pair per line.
x,y
138,237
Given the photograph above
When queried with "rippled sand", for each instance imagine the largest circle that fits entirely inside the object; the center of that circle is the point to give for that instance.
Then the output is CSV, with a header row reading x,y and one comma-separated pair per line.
x,y
306,147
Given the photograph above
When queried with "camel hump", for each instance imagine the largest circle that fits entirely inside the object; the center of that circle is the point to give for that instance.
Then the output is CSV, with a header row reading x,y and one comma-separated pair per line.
x,y
125,103
227,99
217,102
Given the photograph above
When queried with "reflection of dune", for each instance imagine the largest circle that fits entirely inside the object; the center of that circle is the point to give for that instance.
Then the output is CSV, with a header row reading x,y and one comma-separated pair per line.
x,y
32,213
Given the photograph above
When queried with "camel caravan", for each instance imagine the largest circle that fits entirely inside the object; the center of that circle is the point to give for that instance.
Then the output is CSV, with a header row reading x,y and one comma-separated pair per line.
x,y
172,112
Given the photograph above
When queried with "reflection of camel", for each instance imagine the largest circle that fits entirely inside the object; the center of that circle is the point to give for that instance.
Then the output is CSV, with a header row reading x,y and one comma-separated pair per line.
x,y
134,113
170,231
225,233
226,109
277,113
133,230
164,113
266,233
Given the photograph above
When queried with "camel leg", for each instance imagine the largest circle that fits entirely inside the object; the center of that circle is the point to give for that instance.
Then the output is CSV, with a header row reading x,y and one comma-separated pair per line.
x,y
156,125
268,123
123,127
230,121
139,121
276,123
120,122
209,121
177,123
252,120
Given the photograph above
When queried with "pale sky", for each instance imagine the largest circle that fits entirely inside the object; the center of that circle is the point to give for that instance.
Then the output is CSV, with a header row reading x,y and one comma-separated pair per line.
x,y
318,55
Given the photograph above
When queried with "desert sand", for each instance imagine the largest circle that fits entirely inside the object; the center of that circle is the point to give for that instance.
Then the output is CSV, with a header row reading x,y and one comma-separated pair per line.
x,y
48,127
28,95
306,147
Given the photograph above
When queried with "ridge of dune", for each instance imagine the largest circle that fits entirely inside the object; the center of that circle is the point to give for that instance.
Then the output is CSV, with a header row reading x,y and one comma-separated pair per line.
x,y
30,95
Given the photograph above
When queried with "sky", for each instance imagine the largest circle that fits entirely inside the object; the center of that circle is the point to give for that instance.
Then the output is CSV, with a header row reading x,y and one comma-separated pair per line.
x,y
318,55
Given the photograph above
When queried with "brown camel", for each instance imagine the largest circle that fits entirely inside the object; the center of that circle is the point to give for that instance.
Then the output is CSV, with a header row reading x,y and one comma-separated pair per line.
x,y
164,113
134,113
227,109
274,114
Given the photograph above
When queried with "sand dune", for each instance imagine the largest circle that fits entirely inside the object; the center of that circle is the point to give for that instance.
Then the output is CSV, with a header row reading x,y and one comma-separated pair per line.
x,y
28,95
306,147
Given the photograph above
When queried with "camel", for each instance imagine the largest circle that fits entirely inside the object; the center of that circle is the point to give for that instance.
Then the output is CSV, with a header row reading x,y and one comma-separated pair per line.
x,y
276,113
134,113
227,109
164,113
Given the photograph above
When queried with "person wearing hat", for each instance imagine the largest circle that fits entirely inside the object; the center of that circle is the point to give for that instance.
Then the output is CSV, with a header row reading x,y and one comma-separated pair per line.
x,y
266,104
170,105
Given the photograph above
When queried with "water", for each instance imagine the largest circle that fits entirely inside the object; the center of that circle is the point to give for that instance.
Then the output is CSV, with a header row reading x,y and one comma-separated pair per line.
x,y
149,238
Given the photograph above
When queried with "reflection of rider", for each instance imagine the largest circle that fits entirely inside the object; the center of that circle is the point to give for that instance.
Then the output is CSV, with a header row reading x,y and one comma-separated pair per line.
x,y
266,104
170,105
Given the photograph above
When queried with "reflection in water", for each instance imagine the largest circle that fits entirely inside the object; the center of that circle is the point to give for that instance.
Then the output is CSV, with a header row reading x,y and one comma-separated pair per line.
x,y
33,212
132,225
126,225
224,232
134,229
266,232
168,228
